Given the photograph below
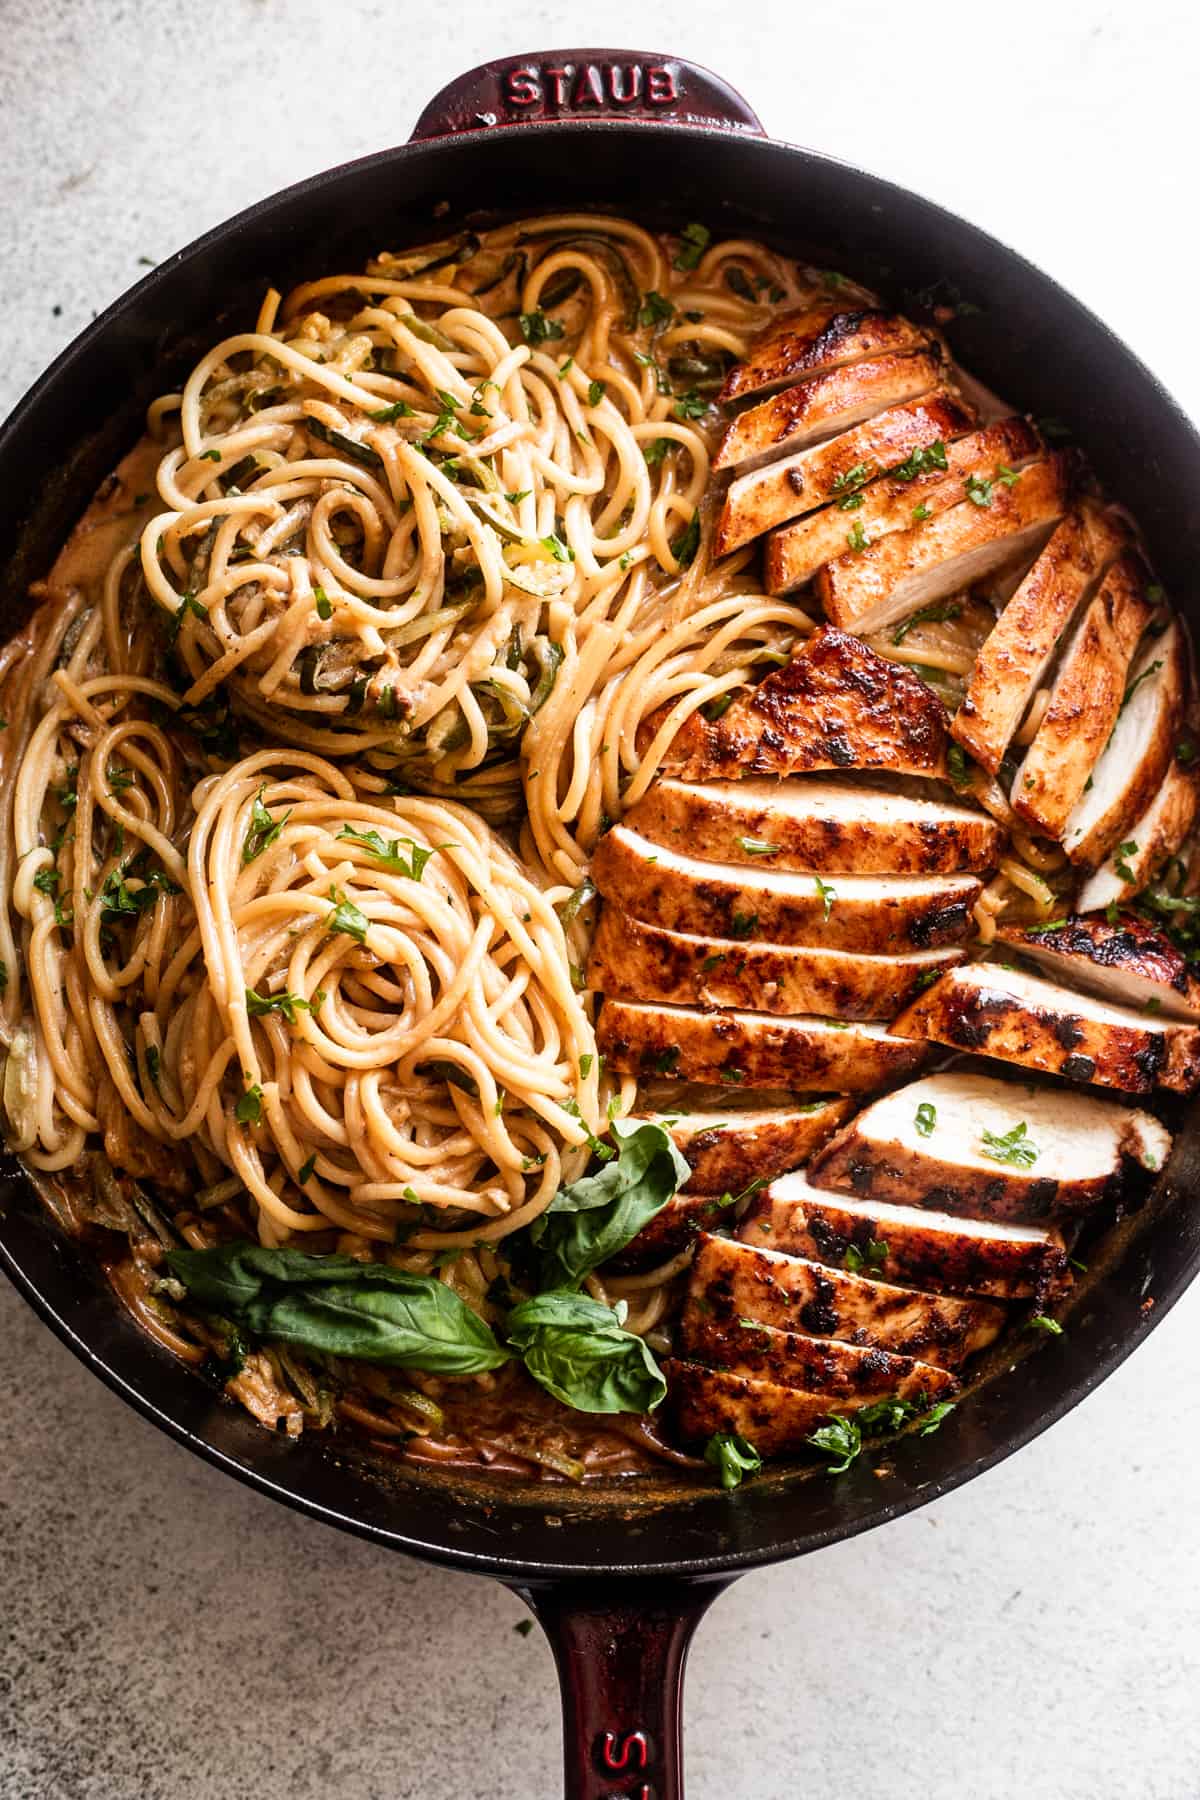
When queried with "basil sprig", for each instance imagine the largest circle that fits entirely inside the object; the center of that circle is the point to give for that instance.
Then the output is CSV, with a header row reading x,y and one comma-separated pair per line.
x,y
593,1218
337,1306
578,1350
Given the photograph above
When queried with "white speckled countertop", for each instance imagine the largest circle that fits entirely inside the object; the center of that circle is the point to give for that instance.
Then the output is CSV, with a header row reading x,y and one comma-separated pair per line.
x,y
166,1635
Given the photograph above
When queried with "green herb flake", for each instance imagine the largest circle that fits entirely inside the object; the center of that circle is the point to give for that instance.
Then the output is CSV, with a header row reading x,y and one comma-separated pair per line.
x,y
264,828
248,1110
926,1119
979,490
537,328
1015,1147
655,309
694,241
857,538
732,1456
1043,1322
390,856
347,918
827,894
938,613
753,846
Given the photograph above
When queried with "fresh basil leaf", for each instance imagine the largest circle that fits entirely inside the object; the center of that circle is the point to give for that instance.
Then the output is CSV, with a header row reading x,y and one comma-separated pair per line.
x,y
595,1217
337,1306
578,1350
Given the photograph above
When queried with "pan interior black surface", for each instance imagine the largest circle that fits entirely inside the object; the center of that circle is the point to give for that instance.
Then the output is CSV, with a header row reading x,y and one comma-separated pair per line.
x,y
1027,339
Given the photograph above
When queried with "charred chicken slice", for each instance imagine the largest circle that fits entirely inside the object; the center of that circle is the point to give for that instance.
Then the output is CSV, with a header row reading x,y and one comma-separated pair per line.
x,y
811,822
839,467
1127,962
732,1281
809,342
836,705
990,1149
644,1038
643,962
824,406
1153,840
1023,1019
870,913
1135,760
875,584
773,1418
909,1244
731,1137
1015,657
895,503
1084,701
826,1366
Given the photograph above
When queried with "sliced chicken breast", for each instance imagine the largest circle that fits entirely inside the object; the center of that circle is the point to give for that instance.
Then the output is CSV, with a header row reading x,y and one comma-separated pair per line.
x,y
869,913
798,345
953,1143
824,406
731,1281
1153,840
840,466
813,822
773,1418
836,705
1132,765
643,962
893,503
740,1048
1127,962
826,1366
1023,1019
908,1244
730,1137
1015,657
1085,700
871,587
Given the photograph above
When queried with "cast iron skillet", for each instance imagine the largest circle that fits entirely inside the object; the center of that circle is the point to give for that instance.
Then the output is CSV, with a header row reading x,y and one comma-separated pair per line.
x,y
619,1582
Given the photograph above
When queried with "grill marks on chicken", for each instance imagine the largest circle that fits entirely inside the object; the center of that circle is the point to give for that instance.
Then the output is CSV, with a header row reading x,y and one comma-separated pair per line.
x,y
918,1247
833,470
836,705
637,961
1153,839
830,403
730,1139
814,340
1128,962
1023,1019
835,826
642,1037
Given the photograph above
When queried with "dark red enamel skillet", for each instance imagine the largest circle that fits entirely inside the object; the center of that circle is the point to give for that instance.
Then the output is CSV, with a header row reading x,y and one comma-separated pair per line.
x,y
619,1582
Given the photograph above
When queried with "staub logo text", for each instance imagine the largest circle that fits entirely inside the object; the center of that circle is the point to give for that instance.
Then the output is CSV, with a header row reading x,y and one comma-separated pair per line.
x,y
584,87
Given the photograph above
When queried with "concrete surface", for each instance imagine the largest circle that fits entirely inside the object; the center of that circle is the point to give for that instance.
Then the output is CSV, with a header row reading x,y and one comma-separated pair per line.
x,y
165,1635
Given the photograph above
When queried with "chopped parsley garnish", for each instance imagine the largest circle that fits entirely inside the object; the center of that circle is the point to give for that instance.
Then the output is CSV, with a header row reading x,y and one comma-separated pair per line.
x,y
559,551
733,1457
346,917
930,456
857,538
257,1005
1043,1322
685,546
537,328
387,415
979,490
960,770
655,309
921,512
1015,1147
656,450
595,392
926,1119
1121,865
756,846
306,1169
743,925
264,828
849,483
248,1110
324,603
872,1256
938,613
695,240
1136,683
447,419
827,894
1006,476
390,855
842,1440
690,405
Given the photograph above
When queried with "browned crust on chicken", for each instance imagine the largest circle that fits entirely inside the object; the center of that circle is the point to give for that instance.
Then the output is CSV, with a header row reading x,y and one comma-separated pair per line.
x,y
806,342
929,1251
717,820
750,1048
1142,753
1084,701
735,1281
644,962
868,589
826,1366
730,1140
795,553
1015,656
1053,1030
796,484
829,403
836,705
1129,962
871,914
774,1419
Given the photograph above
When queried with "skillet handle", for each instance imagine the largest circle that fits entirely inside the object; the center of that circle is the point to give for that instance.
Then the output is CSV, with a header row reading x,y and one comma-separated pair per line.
x,y
620,1649
585,85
